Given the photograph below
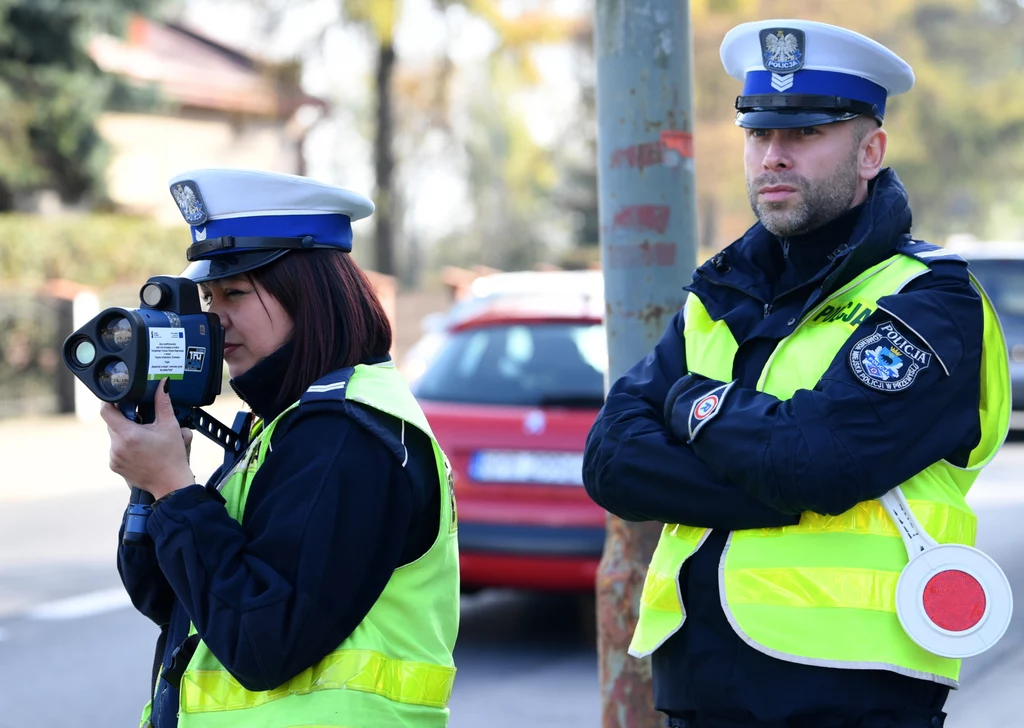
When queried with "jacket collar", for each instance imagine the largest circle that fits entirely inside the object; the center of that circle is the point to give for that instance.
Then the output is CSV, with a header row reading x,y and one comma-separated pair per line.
x,y
260,387
886,218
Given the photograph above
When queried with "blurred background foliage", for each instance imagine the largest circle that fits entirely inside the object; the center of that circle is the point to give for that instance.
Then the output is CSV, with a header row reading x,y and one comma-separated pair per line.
x,y
957,139
100,250
51,94
434,128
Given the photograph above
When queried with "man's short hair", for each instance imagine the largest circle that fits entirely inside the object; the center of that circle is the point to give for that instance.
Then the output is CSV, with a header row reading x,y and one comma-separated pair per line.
x,y
862,126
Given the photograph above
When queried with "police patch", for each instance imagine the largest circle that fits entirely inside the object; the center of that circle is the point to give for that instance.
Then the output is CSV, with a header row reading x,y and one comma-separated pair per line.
x,y
886,360
782,49
190,202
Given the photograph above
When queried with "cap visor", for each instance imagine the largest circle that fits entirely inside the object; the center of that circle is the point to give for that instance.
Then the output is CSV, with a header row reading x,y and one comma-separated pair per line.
x,y
788,119
227,265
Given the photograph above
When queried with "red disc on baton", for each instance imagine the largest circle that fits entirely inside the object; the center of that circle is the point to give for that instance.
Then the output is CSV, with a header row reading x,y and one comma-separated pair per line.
x,y
954,600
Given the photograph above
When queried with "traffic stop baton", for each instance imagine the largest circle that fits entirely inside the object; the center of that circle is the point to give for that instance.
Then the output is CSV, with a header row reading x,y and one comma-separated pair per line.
x,y
952,600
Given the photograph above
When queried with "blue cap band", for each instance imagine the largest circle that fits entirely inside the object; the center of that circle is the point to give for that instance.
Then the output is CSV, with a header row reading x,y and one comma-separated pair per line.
x,y
819,83
330,229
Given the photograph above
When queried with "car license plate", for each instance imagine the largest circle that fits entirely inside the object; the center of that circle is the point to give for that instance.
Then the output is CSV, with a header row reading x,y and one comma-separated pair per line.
x,y
544,468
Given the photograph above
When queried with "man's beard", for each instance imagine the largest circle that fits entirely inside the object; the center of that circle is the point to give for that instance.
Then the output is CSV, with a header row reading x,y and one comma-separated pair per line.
x,y
819,203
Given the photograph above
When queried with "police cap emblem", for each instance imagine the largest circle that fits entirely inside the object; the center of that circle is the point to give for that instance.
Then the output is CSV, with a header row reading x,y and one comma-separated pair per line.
x,y
783,49
190,202
886,360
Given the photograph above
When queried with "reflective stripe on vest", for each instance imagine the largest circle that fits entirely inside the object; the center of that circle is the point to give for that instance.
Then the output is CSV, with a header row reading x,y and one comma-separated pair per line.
x,y
823,592
361,670
396,667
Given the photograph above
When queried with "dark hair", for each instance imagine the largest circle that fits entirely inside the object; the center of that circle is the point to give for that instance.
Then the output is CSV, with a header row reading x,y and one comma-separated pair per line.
x,y
338,319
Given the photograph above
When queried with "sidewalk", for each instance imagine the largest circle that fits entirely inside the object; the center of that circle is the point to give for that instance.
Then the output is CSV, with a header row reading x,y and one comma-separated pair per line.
x,y
48,457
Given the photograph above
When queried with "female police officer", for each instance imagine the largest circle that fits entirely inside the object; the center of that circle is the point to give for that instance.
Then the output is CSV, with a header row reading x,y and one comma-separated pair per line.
x,y
315,582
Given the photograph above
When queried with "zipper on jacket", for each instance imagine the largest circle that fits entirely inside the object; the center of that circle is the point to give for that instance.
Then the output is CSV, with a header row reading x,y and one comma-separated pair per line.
x,y
765,306
821,305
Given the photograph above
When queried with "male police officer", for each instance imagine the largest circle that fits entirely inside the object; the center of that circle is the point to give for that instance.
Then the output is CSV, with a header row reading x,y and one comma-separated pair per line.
x,y
821,360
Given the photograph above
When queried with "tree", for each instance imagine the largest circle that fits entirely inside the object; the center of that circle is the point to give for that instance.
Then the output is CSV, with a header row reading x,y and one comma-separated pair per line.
x,y
577,157
52,93
519,167
520,208
379,17
509,176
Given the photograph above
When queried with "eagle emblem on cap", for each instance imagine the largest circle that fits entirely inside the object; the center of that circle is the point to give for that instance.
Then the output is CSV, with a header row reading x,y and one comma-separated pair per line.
x,y
783,50
190,202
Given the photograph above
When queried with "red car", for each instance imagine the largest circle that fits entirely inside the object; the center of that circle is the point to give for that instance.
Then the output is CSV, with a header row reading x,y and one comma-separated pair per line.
x,y
511,393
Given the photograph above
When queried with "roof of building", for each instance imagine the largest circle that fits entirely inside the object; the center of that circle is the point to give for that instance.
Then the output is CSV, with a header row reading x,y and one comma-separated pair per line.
x,y
195,71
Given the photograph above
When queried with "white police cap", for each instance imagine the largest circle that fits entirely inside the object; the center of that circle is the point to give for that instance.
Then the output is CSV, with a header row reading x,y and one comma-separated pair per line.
x,y
242,219
799,73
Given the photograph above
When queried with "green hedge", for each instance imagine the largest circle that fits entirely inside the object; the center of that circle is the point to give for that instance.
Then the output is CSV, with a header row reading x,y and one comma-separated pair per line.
x,y
96,249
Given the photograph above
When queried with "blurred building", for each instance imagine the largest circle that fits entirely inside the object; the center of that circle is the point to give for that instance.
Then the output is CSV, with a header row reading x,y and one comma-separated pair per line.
x,y
216,107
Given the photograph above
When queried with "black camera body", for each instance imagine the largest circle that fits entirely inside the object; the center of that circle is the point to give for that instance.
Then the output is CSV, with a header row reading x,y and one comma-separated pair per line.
x,y
122,354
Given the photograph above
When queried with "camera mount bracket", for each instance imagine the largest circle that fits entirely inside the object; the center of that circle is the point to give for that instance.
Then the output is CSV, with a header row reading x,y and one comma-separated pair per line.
x,y
204,423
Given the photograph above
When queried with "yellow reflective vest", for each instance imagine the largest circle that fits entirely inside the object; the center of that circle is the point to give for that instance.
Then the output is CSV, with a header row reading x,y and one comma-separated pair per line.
x,y
823,592
396,668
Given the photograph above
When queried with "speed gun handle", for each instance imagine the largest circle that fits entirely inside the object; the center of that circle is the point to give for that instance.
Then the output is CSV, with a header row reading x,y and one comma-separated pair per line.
x,y
140,504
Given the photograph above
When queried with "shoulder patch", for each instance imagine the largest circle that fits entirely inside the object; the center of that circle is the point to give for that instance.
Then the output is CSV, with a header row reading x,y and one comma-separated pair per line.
x,y
330,388
705,407
926,252
886,360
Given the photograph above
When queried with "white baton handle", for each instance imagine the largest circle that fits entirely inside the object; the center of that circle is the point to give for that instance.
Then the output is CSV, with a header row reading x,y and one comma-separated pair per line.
x,y
915,538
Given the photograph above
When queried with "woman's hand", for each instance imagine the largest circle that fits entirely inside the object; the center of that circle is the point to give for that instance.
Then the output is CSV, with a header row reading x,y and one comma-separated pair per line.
x,y
152,457
186,436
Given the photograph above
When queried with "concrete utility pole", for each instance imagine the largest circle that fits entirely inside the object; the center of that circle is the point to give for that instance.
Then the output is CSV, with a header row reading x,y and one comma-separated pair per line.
x,y
648,252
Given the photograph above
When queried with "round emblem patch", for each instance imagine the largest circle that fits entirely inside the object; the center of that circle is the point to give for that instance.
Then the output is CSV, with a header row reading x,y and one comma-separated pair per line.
x,y
705,407
886,360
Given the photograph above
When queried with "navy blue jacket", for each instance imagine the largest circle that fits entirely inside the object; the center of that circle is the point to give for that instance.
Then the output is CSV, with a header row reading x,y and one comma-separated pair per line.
x,y
329,516
758,461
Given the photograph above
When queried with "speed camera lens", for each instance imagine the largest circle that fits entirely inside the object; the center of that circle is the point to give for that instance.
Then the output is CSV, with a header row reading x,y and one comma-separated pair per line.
x,y
114,378
117,334
84,353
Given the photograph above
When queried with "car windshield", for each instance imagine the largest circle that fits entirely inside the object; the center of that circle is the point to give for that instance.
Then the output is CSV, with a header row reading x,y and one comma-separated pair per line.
x,y
1003,281
537,364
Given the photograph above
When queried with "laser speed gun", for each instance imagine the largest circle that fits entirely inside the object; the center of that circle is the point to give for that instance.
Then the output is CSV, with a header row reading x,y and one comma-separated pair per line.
x,y
122,354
